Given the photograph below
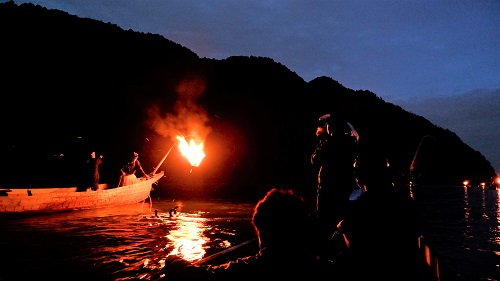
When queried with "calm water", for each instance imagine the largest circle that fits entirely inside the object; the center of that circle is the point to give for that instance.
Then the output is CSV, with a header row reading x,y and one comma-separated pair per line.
x,y
463,225
130,243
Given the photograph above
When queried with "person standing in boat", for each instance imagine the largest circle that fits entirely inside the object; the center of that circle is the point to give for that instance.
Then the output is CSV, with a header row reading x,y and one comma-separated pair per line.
x,y
130,169
282,223
94,163
91,175
334,158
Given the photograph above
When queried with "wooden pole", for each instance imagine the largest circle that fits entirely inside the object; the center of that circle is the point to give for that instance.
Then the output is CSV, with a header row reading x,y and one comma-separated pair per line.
x,y
224,252
164,157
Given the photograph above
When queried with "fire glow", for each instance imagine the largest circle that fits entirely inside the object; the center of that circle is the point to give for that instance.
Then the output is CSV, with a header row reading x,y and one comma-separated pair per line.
x,y
192,151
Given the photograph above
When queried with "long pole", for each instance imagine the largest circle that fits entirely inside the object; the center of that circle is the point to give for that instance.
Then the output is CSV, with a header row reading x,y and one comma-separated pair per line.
x,y
164,157
421,160
226,251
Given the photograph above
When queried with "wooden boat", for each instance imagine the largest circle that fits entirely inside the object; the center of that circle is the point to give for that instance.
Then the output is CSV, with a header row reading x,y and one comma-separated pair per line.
x,y
60,199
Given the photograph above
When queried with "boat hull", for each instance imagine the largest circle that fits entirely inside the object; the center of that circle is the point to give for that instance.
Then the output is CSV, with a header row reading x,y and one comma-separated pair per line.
x,y
60,199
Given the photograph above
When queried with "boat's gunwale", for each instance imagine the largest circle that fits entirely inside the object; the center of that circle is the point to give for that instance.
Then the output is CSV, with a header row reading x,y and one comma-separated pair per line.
x,y
59,199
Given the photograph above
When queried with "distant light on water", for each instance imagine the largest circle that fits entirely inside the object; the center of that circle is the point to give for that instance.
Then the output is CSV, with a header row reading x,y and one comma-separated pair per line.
x,y
131,242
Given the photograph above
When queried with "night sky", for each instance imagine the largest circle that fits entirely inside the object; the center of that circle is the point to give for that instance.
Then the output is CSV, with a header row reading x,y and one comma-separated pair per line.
x,y
437,59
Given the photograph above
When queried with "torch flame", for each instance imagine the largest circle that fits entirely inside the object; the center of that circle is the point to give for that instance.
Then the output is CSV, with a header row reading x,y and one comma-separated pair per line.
x,y
192,151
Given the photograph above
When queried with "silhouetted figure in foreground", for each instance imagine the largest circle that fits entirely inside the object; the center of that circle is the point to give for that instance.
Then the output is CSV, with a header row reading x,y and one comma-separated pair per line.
x,y
334,157
282,223
381,229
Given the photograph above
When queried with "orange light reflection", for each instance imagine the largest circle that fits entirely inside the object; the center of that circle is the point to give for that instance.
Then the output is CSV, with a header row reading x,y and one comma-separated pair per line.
x,y
188,239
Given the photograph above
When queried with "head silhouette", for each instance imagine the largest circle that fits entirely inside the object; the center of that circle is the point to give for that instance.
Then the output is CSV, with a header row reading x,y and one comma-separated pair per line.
x,y
281,219
372,166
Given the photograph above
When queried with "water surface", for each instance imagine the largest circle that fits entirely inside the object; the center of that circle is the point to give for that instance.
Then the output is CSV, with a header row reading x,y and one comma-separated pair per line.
x,y
131,242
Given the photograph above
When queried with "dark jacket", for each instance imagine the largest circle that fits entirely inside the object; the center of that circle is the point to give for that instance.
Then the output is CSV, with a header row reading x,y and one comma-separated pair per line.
x,y
382,229
334,157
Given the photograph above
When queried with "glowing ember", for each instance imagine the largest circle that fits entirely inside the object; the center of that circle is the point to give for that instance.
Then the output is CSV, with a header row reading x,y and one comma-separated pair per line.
x,y
192,151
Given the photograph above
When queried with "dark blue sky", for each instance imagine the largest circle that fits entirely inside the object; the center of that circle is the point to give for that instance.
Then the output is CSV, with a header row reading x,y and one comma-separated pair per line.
x,y
439,59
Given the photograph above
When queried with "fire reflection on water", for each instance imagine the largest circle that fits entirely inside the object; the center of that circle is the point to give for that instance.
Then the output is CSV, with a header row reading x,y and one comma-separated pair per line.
x,y
123,243
187,238
194,230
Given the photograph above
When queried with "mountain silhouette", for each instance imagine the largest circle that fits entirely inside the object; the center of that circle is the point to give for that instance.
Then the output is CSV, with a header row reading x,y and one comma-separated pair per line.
x,y
73,85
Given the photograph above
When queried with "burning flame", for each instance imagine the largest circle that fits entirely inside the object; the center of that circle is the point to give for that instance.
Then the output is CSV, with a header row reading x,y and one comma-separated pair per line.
x,y
192,151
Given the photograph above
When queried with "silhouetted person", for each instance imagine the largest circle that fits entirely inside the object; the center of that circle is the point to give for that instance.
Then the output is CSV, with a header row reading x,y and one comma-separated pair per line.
x,y
381,229
283,226
94,163
130,169
91,174
334,157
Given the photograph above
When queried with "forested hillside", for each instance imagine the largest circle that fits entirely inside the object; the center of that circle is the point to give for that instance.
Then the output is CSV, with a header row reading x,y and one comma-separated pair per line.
x,y
72,85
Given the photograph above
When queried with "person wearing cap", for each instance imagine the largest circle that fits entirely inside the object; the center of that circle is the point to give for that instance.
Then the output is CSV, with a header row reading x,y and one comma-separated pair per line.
x,y
334,158
130,169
